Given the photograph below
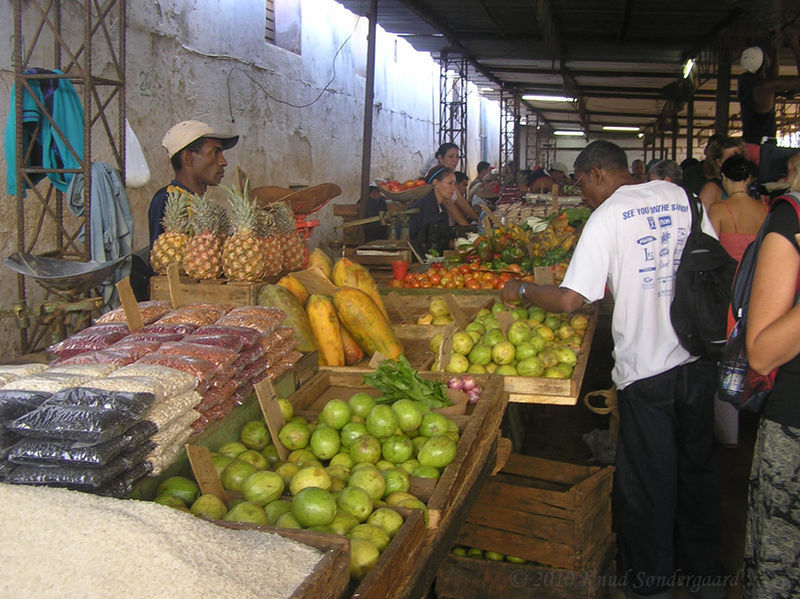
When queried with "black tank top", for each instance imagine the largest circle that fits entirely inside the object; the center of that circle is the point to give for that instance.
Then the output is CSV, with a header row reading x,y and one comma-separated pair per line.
x,y
755,125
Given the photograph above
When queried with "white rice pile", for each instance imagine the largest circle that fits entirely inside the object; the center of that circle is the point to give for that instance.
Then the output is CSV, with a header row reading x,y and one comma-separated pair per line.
x,y
57,543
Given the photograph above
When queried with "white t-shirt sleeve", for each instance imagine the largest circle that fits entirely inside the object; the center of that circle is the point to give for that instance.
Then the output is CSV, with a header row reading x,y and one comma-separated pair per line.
x,y
588,269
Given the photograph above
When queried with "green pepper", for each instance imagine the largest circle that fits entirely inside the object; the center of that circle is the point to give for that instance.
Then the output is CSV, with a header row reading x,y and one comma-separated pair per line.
x,y
484,250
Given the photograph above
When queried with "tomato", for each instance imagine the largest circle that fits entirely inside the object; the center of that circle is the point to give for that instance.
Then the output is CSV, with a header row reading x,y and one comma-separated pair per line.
x,y
505,276
499,284
424,281
414,285
420,183
515,268
395,283
435,267
487,285
410,277
435,279
464,269
472,283
487,276
528,278
449,285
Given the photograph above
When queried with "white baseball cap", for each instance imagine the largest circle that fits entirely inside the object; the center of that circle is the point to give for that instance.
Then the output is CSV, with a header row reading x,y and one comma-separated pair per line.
x,y
181,135
752,58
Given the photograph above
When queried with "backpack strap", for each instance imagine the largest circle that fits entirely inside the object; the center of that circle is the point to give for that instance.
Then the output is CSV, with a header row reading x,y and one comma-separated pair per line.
x,y
794,199
696,209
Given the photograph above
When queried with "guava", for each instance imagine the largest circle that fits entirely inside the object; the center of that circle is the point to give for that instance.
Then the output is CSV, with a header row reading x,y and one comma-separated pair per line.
x,y
286,471
481,354
530,367
438,307
343,523
294,435
503,353
566,355
209,506
180,486
262,487
407,415
232,449
475,326
276,509
518,332
458,363
498,307
271,455
247,512
438,452
397,449
313,506
235,474
537,341
365,448
579,322
409,465
372,534
220,462
462,343
494,556
476,369
524,351
536,314
370,479
554,372
309,476
287,520
338,471
325,441
422,471
387,519
396,479
251,456
507,370
255,435
363,556
443,319
356,502
564,332
287,411
341,459
433,424
352,431
544,332
435,342
299,456
381,421
361,403
548,358
552,322
493,336
335,413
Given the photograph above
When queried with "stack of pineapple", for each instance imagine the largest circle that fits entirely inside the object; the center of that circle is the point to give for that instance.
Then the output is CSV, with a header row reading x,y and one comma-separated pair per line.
x,y
246,243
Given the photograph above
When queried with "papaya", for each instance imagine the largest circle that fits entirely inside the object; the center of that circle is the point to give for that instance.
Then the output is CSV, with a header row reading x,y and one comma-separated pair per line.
x,y
352,350
296,318
327,330
320,259
347,273
296,287
366,323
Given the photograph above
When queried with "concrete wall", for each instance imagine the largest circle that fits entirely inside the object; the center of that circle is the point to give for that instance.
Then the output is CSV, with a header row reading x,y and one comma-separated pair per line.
x,y
299,114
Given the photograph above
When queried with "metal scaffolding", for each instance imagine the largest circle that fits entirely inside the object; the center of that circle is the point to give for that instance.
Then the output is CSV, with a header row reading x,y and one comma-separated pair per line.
x,y
509,131
453,79
85,45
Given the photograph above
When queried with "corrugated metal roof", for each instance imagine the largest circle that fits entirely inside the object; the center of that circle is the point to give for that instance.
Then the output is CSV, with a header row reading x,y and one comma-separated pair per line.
x,y
619,53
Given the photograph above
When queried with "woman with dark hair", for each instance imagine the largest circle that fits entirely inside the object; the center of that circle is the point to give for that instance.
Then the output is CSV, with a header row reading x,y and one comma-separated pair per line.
x,y
447,156
718,153
736,220
430,228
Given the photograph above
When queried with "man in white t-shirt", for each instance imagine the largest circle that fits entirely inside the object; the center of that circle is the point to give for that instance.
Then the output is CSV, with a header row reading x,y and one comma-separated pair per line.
x,y
666,476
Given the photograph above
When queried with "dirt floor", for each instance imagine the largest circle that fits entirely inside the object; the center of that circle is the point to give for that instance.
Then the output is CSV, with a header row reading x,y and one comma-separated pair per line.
x,y
556,432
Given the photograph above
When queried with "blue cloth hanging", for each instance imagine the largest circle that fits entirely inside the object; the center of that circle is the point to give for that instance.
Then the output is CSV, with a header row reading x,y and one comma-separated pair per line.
x,y
50,149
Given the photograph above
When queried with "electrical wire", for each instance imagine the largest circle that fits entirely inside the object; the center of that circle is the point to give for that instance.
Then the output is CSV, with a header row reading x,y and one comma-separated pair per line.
x,y
285,102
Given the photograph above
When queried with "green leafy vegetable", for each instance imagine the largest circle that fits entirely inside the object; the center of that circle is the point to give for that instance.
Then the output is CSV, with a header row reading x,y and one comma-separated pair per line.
x,y
398,380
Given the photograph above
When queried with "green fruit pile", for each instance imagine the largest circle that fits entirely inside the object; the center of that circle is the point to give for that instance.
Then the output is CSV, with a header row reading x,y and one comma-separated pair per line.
x,y
492,556
345,473
537,344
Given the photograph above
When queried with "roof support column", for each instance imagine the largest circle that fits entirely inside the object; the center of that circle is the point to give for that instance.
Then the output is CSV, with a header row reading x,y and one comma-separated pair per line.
x,y
723,93
689,126
369,97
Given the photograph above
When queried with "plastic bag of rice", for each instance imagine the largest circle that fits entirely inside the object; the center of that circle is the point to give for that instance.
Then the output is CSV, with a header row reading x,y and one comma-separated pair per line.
x,y
9,372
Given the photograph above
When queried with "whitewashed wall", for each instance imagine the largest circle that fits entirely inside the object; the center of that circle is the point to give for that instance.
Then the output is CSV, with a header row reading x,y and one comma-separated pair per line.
x,y
185,58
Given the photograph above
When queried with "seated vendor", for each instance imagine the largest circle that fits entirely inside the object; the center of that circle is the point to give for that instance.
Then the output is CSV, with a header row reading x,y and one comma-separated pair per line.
x,y
430,228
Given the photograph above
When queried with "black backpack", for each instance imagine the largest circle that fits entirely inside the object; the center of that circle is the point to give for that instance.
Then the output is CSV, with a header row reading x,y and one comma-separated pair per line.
x,y
703,283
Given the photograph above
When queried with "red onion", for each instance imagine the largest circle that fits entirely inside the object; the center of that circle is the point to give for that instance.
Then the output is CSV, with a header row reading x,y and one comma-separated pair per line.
x,y
473,395
455,383
468,382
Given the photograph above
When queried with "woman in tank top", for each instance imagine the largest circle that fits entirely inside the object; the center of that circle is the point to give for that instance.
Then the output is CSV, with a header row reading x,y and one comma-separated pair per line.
x,y
736,220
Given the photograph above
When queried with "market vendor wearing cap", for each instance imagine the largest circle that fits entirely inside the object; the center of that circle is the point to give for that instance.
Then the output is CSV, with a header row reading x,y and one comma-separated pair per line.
x,y
541,180
756,90
195,151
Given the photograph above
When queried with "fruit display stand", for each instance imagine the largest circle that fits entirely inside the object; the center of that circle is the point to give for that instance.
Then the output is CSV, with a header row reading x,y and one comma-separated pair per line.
x,y
555,514
330,577
448,500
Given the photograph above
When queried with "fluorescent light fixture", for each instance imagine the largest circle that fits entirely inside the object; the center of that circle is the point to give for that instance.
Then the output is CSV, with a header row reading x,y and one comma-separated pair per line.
x,y
538,98
687,68
568,133
640,136
620,128
486,89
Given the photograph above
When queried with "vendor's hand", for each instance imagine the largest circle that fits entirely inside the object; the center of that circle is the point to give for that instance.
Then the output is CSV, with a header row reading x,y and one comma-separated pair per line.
x,y
510,293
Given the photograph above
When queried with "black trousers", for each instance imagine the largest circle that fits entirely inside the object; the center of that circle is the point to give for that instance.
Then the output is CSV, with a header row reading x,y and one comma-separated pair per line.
x,y
667,479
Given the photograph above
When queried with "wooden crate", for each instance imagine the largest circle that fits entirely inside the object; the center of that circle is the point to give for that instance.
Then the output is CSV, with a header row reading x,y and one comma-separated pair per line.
x,y
330,578
213,291
404,309
552,513
471,578
476,447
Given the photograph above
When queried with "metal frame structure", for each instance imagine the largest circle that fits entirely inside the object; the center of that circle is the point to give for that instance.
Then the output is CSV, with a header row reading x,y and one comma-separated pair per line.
x,y
453,79
100,44
509,130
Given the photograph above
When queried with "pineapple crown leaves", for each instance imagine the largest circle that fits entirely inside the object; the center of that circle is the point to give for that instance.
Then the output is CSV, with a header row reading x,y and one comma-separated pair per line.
x,y
244,210
176,210
284,217
206,215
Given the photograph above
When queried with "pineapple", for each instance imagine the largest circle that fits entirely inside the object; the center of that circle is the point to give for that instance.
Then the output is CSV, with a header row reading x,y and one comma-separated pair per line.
x,y
203,256
243,256
294,247
170,246
270,242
